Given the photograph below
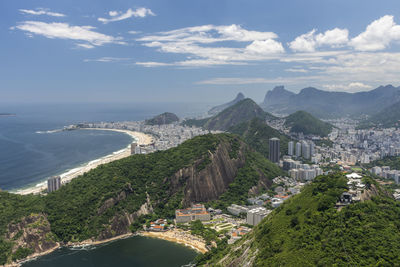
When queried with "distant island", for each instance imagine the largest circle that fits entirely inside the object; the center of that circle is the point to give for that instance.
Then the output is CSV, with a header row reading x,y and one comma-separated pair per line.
x,y
7,114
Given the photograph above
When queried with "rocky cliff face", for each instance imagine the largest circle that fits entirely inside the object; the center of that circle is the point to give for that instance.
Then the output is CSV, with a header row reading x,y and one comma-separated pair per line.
x,y
209,183
199,184
32,234
119,225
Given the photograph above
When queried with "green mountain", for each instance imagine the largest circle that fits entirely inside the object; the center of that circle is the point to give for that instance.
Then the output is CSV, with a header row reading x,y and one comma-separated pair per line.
x,y
217,109
307,230
257,133
165,118
242,111
327,104
388,117
303,122
116,198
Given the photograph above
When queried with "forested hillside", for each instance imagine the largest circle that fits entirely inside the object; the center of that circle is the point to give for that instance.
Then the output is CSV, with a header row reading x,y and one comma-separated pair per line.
x,y
307,230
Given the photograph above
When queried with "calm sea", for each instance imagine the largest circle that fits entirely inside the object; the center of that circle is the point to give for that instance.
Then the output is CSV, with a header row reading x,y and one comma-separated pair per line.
x,y
28,158
133,252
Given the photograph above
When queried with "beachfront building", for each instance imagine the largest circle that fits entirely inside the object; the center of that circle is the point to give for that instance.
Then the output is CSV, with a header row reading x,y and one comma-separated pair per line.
x,y
53,183
196,212
133,148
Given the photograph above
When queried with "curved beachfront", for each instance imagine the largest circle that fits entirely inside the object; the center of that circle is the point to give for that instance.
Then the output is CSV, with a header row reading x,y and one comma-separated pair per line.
x,y
141,138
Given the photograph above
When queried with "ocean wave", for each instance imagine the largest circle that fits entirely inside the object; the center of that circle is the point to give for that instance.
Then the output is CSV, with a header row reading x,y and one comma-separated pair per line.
x,y
50,131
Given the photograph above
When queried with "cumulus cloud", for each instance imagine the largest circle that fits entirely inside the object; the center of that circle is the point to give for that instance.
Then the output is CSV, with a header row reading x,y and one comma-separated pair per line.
x,y
118,15
333,38
81,34
308,42
304,43
265,47
194,43
41,11
377,35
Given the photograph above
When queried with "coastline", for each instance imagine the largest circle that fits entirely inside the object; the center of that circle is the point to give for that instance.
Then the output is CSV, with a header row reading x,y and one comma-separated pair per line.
x,y
180,237
33,256
176,236
66,177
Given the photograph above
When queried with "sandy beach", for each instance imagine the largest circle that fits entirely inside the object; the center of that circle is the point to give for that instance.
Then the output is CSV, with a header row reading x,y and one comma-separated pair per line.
x,y
181,237
141,138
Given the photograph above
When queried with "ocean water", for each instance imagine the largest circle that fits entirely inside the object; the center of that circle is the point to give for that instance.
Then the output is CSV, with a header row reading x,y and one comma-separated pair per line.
x,y
133,252
28,157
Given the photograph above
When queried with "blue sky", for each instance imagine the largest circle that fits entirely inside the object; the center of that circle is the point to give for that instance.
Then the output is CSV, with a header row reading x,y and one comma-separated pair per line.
x,y
193,51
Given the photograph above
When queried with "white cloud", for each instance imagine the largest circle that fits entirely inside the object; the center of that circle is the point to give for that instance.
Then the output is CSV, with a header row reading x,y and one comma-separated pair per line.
x,y
304,43
66,31
118,15
87,46
41,11
333,38
256,80
353,86
113,13
265,47
378,35
191,63
296,70
308,42
107,59
193,42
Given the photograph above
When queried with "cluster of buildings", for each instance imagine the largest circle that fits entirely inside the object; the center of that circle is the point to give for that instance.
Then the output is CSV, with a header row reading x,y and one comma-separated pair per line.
x,y
301,171
160,225
387,173
303,149
354,194
164,136
353,146
256,210
196,212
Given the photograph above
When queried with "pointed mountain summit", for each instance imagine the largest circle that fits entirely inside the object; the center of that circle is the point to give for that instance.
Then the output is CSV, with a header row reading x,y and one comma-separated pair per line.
x,y
217,109
242,111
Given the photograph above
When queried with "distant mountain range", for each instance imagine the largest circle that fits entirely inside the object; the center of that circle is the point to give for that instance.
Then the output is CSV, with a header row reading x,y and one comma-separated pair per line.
x,y
243,111
388,117
217,109
165,118
304,122
324,104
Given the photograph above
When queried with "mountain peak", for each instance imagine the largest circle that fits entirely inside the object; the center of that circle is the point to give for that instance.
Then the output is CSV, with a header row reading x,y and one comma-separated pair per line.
x,y
240,96
215,110
277,95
